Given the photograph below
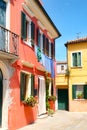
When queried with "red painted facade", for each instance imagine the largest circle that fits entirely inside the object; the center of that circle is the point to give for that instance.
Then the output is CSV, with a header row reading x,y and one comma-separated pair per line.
x,y
26,62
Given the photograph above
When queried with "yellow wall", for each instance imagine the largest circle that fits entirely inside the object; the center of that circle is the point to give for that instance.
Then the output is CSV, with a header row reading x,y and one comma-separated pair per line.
x,y
77,75
61,81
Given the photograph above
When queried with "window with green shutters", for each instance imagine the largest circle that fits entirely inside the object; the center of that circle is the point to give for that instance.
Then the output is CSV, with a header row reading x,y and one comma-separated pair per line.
x,y
23,25
79,91
27,29
76,59
26,85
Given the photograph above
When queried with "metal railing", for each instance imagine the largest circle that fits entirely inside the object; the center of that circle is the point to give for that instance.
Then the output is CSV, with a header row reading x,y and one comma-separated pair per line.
x,y
9,41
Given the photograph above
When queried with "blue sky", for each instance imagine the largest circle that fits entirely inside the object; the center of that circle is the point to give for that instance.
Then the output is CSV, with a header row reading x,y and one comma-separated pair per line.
x,y
70,18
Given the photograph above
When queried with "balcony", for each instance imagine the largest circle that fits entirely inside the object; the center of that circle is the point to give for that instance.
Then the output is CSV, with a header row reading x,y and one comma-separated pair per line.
x,y
9,42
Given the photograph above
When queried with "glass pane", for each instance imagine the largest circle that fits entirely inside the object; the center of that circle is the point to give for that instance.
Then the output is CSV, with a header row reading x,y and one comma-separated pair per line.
x,y
74,58
2,13
79,91
79,58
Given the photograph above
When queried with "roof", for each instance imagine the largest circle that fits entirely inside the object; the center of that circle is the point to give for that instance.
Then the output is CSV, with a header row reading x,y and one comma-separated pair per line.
x,y
40,5
61,62
41,15
79,40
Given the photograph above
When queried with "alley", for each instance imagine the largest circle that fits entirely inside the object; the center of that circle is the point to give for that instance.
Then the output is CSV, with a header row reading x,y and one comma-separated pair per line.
x,y
61,120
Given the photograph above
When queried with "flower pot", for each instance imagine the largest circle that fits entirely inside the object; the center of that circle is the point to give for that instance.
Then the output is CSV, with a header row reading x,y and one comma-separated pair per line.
x,y
52,105
30,113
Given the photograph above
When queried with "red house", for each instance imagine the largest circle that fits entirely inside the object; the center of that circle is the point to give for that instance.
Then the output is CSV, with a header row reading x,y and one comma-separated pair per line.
x,y
27,59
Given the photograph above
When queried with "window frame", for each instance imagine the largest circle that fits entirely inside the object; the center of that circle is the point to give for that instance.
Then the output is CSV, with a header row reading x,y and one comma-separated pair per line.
x,y
29,30
76,52
74,91
28,90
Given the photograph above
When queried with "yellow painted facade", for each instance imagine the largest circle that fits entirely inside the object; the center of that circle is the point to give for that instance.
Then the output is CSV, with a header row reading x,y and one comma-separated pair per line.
x,y
78,75
61,81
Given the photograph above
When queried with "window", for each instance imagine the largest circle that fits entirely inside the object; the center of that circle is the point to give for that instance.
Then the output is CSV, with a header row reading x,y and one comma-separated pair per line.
x,y
27,29
62,67
47,46
79,91
26,85
76,59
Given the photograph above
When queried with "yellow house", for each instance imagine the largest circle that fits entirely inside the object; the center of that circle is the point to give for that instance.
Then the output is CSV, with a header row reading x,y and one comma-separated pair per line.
x,y
62,85
77,80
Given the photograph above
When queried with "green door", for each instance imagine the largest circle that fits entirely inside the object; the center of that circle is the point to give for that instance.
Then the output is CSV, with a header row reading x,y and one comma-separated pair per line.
x,y
63,99
1,92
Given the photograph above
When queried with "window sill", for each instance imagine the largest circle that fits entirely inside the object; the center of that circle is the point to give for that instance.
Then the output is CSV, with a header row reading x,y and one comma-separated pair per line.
x,y
79,99
29,43
76,67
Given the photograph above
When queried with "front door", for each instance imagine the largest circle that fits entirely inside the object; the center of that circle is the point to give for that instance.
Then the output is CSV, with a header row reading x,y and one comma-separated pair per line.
x,y
1,94
63,99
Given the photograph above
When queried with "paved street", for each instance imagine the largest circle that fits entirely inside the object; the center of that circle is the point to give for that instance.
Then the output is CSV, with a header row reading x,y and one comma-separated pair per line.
x,y
61,120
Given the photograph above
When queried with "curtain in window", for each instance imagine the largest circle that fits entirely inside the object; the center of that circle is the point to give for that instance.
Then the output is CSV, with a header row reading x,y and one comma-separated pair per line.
x,y
28,85
42,96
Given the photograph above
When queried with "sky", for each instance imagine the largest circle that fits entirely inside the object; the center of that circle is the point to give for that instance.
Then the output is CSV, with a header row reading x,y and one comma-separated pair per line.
x,y
70,18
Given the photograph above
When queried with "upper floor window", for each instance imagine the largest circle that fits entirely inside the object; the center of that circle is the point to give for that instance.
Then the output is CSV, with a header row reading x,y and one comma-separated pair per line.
x,y
76,59
62,67
2,13
27,29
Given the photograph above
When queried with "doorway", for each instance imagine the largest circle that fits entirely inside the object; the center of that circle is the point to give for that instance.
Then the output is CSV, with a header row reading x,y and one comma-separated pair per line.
x,y
63,99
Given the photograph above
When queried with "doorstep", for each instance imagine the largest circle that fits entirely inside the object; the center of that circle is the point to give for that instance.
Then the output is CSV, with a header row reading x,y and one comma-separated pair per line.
x,y
42,116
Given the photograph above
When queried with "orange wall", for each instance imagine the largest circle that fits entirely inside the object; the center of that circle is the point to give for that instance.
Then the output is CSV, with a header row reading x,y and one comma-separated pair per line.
x,y
17,114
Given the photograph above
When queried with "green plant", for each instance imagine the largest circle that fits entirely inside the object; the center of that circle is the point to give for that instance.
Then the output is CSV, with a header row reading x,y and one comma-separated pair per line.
x,y
52,98
50,112
67,73
80,95
30,101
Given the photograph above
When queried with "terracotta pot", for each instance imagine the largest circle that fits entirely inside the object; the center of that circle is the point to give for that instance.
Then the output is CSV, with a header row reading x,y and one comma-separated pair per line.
x,y
52,105
30,113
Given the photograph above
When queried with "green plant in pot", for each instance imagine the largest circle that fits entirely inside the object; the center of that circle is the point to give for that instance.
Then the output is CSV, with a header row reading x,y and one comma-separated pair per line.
x,y
52,98
80,95
30,101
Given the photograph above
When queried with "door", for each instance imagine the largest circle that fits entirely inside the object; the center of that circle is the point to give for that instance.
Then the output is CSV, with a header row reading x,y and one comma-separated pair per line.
x,y
1,94
42,96
63,99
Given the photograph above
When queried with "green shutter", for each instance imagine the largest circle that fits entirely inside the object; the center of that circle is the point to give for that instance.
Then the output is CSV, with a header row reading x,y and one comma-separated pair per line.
x,y
78,59
32,85
85,91
23,25
74,91
32,30
51,50
22,86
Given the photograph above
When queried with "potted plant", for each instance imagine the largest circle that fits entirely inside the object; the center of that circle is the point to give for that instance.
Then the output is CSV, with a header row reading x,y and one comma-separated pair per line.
x,y
51,101
30,109
52,98
80,95
30,101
